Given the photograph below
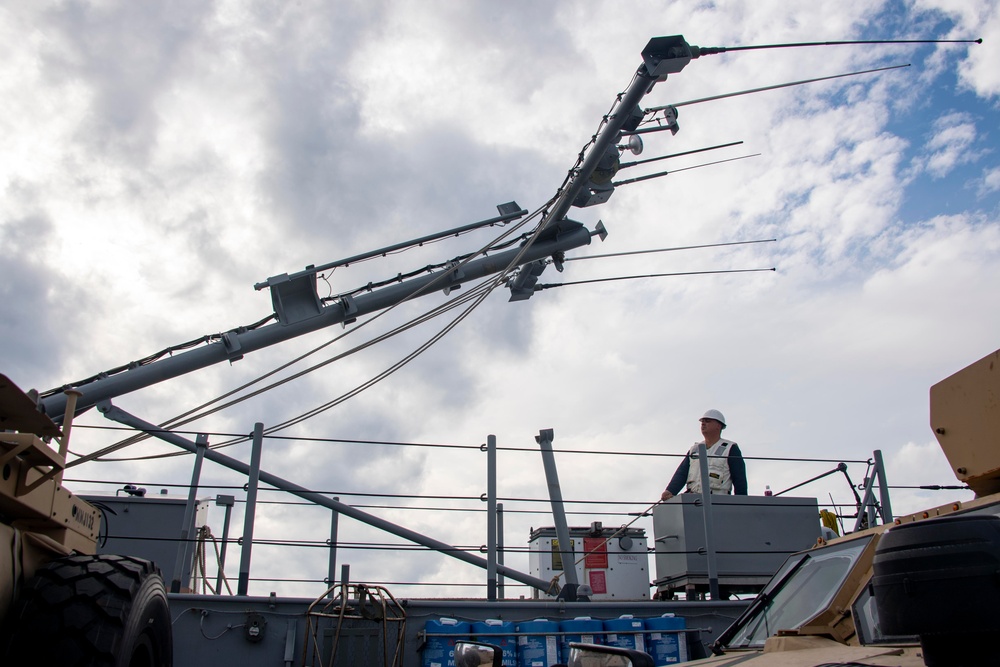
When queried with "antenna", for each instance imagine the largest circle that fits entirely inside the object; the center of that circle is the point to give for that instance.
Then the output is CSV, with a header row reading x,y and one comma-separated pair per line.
x,y
626,165
764,88
698,51
664,173
509,211
634,145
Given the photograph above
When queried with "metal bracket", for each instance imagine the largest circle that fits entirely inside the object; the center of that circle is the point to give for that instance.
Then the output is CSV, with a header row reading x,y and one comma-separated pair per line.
x,y
350,307
232,344
294,299
456,275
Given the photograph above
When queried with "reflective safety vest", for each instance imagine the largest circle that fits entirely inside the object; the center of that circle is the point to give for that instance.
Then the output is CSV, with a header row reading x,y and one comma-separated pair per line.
x,y
718,468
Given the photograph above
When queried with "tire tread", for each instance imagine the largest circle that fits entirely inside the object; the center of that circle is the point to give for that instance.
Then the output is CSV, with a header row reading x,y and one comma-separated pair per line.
x,y
76,611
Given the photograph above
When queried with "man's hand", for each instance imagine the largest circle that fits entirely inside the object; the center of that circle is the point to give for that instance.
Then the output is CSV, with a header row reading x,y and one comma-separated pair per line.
x,y
666,495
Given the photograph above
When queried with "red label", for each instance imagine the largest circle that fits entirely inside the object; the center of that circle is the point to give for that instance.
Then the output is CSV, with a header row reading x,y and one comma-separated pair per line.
x,y
598,582
596,549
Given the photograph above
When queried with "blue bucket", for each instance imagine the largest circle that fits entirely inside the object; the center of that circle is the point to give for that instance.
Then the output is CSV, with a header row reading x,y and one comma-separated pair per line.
x,y
499,633
581,629
666,640
440,651
537,643
626,632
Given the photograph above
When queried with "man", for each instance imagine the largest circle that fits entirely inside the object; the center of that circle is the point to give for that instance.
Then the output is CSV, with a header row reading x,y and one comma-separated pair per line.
x,y
726,470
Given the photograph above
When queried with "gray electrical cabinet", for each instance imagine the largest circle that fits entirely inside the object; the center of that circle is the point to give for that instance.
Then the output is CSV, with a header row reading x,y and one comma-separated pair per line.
x,y
149,527
752,537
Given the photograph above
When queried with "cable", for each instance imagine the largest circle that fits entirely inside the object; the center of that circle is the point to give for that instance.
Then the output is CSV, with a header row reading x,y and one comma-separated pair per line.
x,y
229,626
646,252
138,437
648,275
100,454
529,450
299,438
478,295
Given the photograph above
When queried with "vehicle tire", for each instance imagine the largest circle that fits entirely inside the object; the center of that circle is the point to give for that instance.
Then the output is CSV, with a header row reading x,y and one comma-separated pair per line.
x,y
100,611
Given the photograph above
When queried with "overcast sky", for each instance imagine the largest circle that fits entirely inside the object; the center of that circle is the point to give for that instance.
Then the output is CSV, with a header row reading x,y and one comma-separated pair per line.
x,y
158,159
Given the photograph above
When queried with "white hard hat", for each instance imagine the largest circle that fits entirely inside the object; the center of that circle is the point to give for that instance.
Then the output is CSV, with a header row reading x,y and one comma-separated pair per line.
x,y
716,415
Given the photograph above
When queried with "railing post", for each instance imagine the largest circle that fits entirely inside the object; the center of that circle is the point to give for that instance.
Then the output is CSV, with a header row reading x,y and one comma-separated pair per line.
x,y
227,502
706,497
251,509
883,487
184,548
867,510
331,572
491,517
500,547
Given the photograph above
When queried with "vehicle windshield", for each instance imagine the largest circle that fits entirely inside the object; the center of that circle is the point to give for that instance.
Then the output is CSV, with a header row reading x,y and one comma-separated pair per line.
x,y
802,588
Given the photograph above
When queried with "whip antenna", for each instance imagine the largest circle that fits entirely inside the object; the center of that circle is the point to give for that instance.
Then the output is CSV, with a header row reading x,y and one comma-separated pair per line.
x,y
697,51
674,171
626,165
764,88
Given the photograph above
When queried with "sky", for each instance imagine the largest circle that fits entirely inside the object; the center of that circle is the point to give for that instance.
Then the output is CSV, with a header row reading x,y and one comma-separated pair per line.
x,y
159,159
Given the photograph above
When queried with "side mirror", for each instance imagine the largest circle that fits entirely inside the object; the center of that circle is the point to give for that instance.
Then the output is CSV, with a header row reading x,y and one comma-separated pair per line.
x,y
592,655
476,654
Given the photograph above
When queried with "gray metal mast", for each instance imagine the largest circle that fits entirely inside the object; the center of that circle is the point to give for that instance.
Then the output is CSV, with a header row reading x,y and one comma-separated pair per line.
x,y
300,311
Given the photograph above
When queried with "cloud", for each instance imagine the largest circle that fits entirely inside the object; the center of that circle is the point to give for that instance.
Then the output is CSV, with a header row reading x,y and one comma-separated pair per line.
x,y
972,20
951,145
990,182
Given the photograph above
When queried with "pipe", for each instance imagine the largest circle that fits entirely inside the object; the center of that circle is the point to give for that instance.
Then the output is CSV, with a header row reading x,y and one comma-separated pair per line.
x,y
544,439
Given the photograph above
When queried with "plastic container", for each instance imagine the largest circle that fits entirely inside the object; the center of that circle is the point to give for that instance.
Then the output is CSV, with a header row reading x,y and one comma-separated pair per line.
x,y
626,632
500,633
537,650
440,651
581,629
666,640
